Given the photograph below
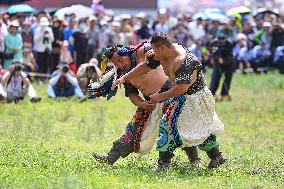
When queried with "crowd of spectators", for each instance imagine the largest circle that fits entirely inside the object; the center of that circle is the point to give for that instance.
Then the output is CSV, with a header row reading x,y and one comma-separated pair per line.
x,y
41,43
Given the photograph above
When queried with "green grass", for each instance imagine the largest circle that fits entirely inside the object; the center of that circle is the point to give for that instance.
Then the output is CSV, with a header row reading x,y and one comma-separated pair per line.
x,y
48,145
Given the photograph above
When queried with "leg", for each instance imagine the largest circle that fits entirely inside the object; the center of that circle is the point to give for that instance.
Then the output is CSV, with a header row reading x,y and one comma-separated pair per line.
x,y
32,94
68,92
78,92
164,161
192,155
211,147
50,92
227,81
127,143
216,76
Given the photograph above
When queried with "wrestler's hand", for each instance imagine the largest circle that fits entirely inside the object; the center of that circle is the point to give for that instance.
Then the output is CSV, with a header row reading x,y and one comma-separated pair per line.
x,y
155,98
150,54
117,82
147,106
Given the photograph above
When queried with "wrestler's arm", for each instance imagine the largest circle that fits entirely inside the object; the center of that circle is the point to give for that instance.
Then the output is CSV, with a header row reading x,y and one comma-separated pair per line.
x,y
177,90
139,102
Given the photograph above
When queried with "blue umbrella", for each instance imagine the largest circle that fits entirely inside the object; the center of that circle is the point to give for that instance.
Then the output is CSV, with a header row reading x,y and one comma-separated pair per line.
x,y
20,9
216,14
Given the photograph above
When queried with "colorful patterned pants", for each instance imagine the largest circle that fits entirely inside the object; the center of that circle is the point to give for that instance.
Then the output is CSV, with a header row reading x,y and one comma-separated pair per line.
x,y
129,141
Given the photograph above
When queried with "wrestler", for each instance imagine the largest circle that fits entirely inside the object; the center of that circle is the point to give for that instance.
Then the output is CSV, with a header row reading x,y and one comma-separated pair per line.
x,y
190,119
141,133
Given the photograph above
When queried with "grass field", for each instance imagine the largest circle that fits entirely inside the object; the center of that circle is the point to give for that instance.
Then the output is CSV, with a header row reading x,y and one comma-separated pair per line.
x,y
48,145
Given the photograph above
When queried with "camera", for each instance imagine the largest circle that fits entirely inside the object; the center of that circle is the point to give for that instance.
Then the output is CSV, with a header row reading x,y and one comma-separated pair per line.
x,y
18,68
65,69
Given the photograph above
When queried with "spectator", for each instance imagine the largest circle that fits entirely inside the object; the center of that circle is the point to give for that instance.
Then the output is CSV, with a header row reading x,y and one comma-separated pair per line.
x,y
214,29
81,43
93,35
116,37
261,58
277,37
87,72
222,50
68,35
266,35
43,38
144,33
229,31
14,44
17,85
278,59
63,83
56,45
181,35
65,56
3,93
245,57
3,32
27,35
29,61
196,29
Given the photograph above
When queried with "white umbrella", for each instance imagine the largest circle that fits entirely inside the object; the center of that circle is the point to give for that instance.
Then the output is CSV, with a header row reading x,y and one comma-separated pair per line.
x,y
80,11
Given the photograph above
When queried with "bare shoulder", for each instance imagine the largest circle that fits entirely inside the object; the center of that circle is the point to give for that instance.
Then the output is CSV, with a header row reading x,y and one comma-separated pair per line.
x,y
178,61
140,55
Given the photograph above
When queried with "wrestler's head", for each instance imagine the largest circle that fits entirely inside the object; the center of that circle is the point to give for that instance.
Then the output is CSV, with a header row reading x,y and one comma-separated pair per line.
x,y
121,59
161,44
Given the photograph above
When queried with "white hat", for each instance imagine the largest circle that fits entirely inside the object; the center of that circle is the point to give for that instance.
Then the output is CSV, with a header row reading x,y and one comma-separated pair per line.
x,y
241,36
92,18
44,21
141,15
14,23
116,24
267,24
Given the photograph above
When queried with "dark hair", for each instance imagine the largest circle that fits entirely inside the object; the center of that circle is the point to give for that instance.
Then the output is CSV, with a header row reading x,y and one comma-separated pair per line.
x,y
161,39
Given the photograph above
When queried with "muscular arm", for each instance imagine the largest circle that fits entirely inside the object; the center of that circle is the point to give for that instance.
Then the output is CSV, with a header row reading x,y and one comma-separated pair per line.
x,y
140,69
135,99
177,90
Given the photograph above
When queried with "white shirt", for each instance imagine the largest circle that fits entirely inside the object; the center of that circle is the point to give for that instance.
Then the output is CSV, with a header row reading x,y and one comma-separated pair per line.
x,y
15,84
39,46
197,31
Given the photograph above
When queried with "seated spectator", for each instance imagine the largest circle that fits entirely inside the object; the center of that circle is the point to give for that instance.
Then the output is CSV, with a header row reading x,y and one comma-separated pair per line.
x,y
17,85
65,56
63,83
278,59
245,58
3,94
87,72
261,58
29,61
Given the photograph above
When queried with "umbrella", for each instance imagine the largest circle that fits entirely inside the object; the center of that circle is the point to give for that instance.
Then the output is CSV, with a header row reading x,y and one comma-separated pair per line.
x,y
20,9
214,11
11,2
216,14
199,15
61,12
238,10
262,11
80,11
